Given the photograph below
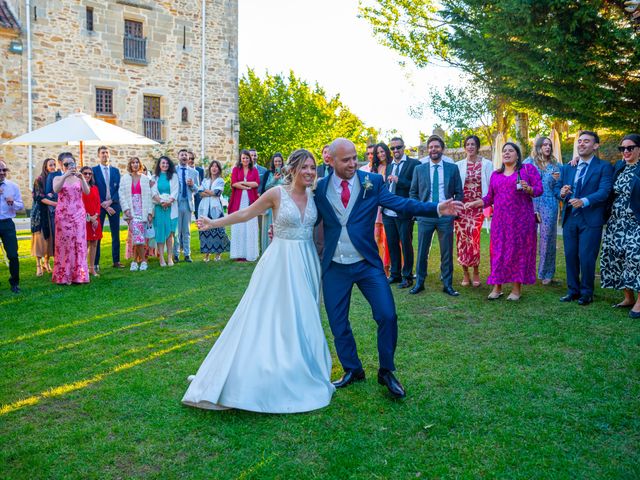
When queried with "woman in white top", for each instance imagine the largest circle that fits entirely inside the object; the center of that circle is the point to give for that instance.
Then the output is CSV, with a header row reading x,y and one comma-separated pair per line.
x,y
214,240
137,211
475,173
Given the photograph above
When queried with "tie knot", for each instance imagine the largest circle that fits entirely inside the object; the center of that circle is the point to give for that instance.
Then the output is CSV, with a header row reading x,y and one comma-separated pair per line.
x,y
344,184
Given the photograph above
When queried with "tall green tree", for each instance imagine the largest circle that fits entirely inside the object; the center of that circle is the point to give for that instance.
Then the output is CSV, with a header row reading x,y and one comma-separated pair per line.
x,y
280,114
567,59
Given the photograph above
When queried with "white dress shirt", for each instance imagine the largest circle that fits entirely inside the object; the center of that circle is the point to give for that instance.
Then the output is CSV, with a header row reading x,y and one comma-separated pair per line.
x,y
9,189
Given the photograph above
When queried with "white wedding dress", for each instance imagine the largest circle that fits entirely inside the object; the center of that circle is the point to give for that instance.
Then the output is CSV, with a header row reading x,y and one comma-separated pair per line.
x,y
272,356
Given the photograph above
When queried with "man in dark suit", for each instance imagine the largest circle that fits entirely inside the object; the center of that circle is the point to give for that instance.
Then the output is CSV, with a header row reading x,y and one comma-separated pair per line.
x,y
435,181
399,225
585,190
107,179
200,170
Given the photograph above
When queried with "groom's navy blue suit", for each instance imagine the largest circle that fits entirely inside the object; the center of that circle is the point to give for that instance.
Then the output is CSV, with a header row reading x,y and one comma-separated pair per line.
x,y
338,279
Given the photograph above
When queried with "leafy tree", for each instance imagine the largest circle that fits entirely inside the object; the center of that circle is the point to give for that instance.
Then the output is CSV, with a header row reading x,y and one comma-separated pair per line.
x,y
567,59
280,114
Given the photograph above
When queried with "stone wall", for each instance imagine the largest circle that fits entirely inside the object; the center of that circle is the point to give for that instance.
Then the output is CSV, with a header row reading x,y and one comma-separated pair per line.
x,y
69,62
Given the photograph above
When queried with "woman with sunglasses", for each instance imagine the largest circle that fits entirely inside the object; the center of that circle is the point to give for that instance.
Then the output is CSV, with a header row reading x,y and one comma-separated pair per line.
x,y
70,263
92,208
620,256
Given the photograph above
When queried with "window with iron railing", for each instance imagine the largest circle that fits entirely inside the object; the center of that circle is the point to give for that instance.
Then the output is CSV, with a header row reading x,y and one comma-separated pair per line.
x,y
153,124
135,45
104,101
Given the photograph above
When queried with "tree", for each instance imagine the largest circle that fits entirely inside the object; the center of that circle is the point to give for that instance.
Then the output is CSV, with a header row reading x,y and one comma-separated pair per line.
x,y
567,59
280,114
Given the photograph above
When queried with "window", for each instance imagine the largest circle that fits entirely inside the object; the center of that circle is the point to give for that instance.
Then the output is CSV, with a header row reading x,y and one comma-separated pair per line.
x,y
185,115
104,101
151,120
135,45
90,19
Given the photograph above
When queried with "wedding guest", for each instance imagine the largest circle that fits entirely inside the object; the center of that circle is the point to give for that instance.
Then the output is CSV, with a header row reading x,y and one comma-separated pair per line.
x,y
546,207
370,153
165,193
253,153
188,181
272,178
10,204
513,228
620,257
41,236
584,189
137,209
215,240
91,202
399,226
324,169
70,262
434,182
245,181
107,179
200,170
381,156
475,174
52,197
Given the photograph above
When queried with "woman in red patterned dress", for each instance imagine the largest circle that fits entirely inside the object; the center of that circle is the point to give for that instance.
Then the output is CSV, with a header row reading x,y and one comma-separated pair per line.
x,y
475,172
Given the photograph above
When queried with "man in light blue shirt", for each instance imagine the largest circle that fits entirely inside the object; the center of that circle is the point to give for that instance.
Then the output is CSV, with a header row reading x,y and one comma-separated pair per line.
x,y
10,204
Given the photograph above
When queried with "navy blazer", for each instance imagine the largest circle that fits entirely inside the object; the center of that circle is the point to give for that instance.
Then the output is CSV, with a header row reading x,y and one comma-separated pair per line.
x,y
421,183
634,203
114,185
361,223
596,187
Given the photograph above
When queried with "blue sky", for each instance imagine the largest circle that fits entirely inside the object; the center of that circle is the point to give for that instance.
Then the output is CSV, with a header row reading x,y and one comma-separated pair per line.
x,y
324,41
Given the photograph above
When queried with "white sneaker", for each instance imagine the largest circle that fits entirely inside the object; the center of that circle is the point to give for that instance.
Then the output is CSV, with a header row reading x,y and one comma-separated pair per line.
x,y
143,266
134,267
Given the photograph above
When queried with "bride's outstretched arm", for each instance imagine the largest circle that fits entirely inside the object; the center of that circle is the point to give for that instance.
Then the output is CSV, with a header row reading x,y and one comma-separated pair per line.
x,y
269,199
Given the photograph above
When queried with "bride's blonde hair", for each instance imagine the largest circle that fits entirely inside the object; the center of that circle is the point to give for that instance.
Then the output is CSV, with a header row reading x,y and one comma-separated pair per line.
x,y
294,164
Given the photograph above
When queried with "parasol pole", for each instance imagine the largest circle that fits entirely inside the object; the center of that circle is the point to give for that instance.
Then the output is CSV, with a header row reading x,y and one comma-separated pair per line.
x,y
81,157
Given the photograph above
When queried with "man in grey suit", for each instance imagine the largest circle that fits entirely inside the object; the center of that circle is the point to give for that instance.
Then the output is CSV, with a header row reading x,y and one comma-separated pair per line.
x,y
435,181
189,180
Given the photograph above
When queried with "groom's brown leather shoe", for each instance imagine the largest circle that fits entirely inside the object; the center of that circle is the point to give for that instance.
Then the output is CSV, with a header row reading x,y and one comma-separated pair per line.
x,y
349,377
386,378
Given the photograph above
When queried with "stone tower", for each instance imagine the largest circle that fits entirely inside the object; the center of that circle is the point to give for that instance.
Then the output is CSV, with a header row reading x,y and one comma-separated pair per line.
x,y
134,63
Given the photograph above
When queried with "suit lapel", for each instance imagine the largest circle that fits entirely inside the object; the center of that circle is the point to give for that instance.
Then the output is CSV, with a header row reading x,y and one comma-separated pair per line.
x,y
323,196
360,191
590,171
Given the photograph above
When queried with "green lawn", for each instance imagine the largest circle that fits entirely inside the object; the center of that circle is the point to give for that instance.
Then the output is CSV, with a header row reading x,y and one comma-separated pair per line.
x,y
92,378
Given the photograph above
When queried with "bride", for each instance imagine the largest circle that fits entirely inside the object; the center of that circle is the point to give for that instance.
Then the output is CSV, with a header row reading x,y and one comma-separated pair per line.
x,y
272,356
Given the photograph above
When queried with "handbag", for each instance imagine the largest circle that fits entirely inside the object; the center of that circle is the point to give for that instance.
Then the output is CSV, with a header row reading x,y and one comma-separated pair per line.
x,y
36,217
149,231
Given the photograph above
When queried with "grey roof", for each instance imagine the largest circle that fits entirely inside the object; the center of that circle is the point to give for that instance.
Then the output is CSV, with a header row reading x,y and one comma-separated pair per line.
x,y
7,19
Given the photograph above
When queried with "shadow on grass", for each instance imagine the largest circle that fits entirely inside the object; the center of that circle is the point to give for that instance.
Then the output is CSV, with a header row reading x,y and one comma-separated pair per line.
x,y
60,390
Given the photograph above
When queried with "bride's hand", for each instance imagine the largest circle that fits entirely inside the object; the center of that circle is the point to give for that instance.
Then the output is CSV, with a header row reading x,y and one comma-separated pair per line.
x,y
204,224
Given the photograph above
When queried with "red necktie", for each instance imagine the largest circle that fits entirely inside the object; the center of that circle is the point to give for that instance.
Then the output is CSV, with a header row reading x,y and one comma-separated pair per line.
x,y
345,195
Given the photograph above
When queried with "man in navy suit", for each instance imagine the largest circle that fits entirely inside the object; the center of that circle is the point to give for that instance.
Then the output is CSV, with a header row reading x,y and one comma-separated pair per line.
x,y
200,170
347,201
398,226
433,181
585,191
108,181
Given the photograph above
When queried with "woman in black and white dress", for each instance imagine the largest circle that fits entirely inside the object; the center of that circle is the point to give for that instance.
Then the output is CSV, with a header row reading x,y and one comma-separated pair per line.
x,y
215,240
620,257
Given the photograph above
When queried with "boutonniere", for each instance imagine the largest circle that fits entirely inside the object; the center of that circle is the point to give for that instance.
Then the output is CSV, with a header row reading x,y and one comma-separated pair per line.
x,y
367,185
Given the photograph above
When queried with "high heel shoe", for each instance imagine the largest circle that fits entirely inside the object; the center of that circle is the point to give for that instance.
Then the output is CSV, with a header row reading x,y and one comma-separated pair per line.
x,y
476,280
38,270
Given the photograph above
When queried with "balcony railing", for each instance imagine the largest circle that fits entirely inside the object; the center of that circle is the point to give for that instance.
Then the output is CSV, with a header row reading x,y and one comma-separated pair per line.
x,y
153,128
135,49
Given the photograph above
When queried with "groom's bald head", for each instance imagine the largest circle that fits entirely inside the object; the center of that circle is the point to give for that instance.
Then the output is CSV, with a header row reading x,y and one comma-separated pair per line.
x,y
343,157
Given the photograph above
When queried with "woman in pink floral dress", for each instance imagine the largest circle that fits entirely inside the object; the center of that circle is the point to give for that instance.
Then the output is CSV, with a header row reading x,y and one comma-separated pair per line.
x,y
513,228
70,263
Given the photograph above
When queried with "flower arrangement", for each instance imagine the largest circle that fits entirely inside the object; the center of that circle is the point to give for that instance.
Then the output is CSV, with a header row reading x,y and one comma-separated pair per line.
x,y
366,185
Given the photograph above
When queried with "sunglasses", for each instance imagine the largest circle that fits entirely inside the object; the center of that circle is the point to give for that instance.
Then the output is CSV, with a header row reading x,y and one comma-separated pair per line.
x,y
68,164
4,170
87,174
396,148
630,148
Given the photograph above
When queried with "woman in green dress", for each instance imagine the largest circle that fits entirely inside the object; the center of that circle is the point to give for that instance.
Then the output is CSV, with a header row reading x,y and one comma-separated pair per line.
x,y
165,195
271,178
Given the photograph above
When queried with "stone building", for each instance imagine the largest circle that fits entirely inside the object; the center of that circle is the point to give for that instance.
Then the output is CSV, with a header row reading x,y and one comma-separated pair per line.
x,y
135,63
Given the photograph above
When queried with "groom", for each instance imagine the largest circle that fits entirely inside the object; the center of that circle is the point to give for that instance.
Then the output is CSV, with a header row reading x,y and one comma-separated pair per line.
x,y
347,201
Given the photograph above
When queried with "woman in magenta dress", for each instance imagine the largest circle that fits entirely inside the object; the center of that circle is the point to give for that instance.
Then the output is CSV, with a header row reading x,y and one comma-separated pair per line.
x,y
245,181
92,208
513,228
70,263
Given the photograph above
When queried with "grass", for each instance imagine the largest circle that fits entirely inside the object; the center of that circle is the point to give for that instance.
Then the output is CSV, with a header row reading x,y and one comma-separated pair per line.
x,y
92,378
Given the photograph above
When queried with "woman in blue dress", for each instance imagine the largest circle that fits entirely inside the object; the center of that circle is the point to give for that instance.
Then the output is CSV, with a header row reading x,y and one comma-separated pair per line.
x,y
165,218
546,207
